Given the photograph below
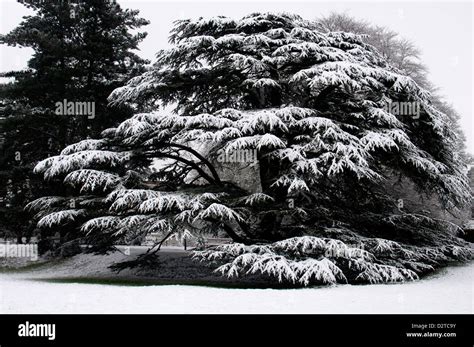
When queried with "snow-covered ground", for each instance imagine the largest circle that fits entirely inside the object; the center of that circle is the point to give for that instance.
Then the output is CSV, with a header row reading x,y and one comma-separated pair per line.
x,y
450,291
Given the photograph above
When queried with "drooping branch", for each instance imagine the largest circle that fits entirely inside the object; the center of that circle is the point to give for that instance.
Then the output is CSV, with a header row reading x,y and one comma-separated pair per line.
x,y
190,163
201,158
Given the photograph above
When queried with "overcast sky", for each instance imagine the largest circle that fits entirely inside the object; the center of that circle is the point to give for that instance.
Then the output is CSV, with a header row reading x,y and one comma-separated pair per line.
x,y
442,30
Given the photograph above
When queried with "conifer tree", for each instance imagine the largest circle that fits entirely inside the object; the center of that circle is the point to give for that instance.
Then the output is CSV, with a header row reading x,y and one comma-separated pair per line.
x,y
312,105
82,51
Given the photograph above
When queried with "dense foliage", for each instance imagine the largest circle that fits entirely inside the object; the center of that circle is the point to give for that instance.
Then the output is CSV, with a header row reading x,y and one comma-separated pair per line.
x,y
313,106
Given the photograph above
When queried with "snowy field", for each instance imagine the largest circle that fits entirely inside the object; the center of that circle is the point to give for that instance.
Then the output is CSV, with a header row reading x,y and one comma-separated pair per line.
x,y
450,291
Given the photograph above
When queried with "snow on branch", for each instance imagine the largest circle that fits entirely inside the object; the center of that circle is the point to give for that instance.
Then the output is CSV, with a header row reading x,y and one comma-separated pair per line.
x,y
163,204
219,212
259,142
319,271
100,224
63,164
92,180
45,202
60,218
257,198
311,260
376,273
295,185
262,121
374,140
131,224
84,145
122,199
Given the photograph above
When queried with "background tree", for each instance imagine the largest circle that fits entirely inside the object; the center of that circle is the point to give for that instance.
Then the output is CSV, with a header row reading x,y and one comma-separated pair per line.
x,y
82,51
313,106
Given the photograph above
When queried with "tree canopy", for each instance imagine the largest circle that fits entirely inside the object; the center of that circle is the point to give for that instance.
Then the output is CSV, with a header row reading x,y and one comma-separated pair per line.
x,y
313,106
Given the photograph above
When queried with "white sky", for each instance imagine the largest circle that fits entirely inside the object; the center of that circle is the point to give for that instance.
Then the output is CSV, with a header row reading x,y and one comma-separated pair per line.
x,y
442,30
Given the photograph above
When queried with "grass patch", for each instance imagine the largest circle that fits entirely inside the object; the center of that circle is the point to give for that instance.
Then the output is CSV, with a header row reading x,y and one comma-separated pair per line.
x,y
36,265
